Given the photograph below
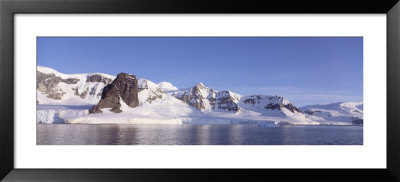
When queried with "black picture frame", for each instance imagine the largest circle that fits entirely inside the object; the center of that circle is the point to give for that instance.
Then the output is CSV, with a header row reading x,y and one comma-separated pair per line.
x,y
8,8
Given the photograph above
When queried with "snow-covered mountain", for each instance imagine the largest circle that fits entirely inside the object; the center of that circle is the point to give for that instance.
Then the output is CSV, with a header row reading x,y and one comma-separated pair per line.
x,y
163,103
204,98
270,105
349,112
55,88
149,91
215,102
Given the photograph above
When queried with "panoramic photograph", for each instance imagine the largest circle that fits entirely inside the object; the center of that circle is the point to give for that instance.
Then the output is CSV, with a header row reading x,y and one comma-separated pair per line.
x,y
199,91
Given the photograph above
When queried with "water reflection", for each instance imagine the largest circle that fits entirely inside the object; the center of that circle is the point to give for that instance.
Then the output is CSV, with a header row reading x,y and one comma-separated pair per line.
x,y
203,135
80,134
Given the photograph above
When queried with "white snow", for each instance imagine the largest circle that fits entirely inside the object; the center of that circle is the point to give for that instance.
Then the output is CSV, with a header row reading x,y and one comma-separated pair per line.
x,y
48,70
170,110
167,110
58,114
166,86
344,112
158,104
69,98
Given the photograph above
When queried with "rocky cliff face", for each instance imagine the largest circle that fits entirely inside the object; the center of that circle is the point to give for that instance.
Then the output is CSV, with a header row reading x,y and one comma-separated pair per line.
x,y
270,103
204,98
226,100
48,84
57,88
119,94
196,96
124,88
98,78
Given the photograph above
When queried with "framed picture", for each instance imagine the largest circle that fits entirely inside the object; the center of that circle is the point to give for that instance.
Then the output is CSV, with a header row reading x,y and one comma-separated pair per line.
x,y
176,90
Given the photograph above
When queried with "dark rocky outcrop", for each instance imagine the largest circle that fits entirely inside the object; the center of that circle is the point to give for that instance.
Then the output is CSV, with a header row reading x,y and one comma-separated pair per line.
x,y
289,106
226,102
273,106
250,101
358,122
254,99
310,112
81,95
125,88
48,84
157,94
193,100
317,112
93,91
84,93
276,103
98,78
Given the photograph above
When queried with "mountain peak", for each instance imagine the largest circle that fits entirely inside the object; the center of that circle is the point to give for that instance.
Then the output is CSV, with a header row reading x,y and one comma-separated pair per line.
x,y
123,89
125,75
167,86
200,84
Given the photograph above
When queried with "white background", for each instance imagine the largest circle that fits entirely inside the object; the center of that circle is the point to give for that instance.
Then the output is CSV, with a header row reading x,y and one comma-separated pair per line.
x,y
370,155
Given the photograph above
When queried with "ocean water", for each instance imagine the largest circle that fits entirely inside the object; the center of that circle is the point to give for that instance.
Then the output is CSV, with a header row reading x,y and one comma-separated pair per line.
x,y
83,134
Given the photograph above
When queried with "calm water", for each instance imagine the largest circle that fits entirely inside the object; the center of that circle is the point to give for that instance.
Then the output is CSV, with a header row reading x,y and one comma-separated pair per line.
x,y
81,134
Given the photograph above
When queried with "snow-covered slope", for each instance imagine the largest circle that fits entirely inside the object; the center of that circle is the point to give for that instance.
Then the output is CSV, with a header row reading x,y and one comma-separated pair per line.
x,y
67,98
210,101
148,91
166,86
337,112
273,106
164,110
204,98
227,104
57,88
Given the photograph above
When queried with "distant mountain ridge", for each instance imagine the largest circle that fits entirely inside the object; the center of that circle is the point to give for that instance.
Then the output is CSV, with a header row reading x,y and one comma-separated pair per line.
x,y
203,97
164,100
340,111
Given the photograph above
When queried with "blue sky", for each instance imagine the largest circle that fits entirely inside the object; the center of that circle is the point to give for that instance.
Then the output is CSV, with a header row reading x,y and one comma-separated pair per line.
x,y
306,70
